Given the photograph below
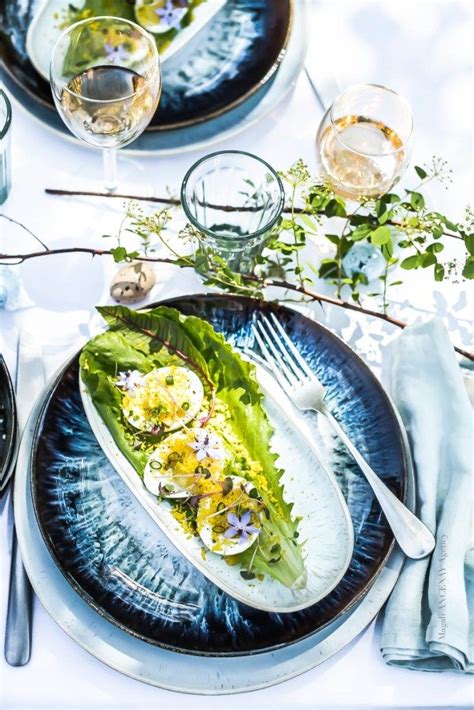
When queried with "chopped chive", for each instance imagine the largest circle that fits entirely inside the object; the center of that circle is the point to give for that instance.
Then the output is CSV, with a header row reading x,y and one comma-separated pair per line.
x,y
155,465
173,457
218,529
169,380
185,406
227,485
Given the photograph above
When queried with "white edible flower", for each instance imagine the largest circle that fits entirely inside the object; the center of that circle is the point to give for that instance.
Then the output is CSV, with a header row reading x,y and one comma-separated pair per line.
x,y
130,380
206,445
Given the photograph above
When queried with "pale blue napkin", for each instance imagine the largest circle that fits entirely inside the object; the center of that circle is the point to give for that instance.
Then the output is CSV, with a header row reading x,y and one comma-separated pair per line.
x,y
429,619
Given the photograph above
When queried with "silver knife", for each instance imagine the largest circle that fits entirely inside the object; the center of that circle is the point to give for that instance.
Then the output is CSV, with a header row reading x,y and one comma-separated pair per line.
x,y
30,379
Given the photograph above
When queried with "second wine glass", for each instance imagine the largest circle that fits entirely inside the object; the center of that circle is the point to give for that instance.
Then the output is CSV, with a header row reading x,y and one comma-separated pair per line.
x,y
106,84
364,141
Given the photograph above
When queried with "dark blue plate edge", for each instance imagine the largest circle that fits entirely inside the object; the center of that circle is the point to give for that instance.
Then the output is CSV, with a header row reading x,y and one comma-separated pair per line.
x,y
12,439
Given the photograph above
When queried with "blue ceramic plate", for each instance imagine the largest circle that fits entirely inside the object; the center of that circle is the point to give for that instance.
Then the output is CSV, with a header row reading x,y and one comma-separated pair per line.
x,y
200,135
238,52
114,555
8,426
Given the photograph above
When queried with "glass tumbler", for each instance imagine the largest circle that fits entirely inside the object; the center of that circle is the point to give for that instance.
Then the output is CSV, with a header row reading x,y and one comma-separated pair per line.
x,y
5,123
233,198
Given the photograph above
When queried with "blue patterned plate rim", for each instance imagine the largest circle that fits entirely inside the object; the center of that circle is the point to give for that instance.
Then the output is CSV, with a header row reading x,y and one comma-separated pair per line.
x,y
187,305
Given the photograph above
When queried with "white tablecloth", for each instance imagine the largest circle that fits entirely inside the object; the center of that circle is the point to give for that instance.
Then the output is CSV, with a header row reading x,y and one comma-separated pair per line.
x,y
420,48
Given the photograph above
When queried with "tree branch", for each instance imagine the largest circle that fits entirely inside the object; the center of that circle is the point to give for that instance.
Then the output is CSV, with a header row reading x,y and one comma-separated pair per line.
x,y
7,259
28,231
314,295
176,203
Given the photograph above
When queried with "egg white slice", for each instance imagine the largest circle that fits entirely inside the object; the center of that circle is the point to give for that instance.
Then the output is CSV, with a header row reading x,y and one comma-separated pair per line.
x,y
161,479
230,545
186,389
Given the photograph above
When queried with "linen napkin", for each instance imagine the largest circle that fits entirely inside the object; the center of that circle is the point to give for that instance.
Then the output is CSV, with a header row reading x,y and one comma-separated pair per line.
x,y
429,618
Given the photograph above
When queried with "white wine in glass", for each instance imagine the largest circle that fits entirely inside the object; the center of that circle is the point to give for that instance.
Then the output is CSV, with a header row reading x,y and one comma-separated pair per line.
x,y
106,83
364,141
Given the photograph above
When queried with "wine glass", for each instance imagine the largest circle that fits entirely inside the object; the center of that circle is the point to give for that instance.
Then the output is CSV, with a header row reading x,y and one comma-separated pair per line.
x,y
364,141
106,84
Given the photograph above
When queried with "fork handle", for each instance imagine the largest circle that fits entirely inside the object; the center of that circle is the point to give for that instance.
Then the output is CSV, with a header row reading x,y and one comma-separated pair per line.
x,y
411,534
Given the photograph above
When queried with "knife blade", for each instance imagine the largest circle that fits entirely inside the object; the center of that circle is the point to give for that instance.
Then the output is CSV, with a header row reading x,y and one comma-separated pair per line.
x,y
30,378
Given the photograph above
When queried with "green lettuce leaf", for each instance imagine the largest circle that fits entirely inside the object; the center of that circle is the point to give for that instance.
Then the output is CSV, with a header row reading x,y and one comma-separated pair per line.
x,y
144,340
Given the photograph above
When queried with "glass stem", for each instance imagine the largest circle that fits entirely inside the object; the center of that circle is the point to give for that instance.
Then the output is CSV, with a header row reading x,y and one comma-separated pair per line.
x,y
109,156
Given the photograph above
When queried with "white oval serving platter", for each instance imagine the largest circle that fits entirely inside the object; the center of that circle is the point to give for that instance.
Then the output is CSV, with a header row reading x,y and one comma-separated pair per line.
x,y
325,528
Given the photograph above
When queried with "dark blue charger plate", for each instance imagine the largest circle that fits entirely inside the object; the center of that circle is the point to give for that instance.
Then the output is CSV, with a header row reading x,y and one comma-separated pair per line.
x,y
237,54
114,555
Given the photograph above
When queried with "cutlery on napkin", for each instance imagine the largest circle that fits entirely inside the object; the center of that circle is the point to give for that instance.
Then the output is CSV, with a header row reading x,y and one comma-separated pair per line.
x,y
429,619
30,379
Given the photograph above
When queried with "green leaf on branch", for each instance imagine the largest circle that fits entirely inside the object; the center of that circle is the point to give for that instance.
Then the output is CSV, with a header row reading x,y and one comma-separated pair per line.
x,y
468,271
428,259
335,208
436,248
121,254
420,172
328,268
360,232
439,272
310,223
381,235
412,262
387,250
469,242
417,200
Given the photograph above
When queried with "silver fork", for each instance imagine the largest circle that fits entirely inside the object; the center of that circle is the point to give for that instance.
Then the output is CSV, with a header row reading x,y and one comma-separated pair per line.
x,y
306,392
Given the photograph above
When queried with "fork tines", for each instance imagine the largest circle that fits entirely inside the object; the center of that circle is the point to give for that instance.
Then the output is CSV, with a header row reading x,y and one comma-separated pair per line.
x,y
280,353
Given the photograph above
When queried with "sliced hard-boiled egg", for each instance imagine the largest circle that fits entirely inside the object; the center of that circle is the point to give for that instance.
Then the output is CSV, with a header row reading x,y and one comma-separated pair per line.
x,y
166,398
228,521
160,16
176,470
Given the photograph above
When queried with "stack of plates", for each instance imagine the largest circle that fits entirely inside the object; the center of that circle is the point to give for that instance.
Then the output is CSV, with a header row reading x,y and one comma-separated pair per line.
x,y
112,580
246,61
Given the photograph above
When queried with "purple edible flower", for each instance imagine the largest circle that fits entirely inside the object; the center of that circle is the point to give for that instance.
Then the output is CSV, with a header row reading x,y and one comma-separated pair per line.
x,y
240,526
170,15
206,445
129,380
114,53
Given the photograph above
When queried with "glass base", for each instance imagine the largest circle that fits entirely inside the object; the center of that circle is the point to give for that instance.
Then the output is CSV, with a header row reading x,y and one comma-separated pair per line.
x,y
241,261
